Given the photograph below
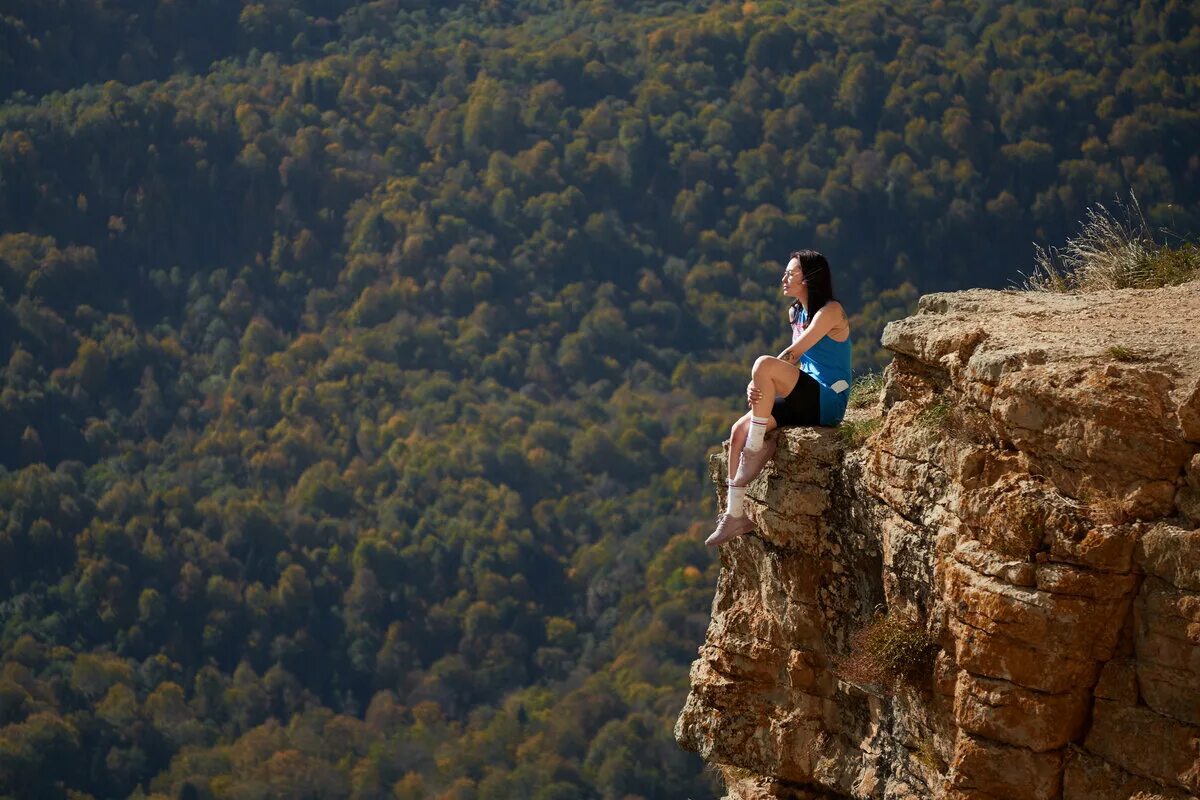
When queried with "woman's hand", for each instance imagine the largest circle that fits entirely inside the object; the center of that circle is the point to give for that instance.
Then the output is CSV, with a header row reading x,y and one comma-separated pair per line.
x,y
753,393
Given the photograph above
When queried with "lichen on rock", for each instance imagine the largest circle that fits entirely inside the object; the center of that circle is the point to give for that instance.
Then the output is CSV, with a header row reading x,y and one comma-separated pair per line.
x,y
1027,501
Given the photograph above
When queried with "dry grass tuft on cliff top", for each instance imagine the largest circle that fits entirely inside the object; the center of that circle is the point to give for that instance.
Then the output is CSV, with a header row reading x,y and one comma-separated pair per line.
x,y
1114,251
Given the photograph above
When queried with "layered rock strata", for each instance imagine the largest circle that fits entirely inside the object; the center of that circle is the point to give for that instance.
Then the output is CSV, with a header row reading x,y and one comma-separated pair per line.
x,y
1029,495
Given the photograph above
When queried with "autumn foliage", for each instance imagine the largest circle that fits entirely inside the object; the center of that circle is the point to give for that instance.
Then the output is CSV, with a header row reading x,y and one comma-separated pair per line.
x,y
359,361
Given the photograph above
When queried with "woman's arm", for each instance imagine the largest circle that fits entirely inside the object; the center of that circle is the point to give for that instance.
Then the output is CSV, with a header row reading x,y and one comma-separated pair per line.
x,y
825,321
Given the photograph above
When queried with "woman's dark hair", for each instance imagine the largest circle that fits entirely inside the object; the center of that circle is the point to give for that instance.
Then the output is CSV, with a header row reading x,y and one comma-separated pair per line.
x,y
815,270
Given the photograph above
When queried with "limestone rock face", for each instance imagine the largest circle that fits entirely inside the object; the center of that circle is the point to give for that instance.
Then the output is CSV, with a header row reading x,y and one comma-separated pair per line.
x,y
1030,501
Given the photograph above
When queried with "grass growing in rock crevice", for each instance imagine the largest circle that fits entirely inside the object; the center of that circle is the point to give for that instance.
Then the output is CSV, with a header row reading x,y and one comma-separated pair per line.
x,y
864,394
937,416
865,391
887,652
927,754
856,432
1122,353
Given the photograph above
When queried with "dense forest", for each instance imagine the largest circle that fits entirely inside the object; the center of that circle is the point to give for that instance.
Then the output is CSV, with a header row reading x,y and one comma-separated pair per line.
x,y
359,361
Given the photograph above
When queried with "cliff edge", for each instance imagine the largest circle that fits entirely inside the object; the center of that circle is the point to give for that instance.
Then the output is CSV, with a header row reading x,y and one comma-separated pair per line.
x,y
1027,499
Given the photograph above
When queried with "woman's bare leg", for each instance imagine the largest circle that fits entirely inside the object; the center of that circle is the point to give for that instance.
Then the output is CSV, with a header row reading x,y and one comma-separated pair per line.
x,y
772,376
737,440
730,524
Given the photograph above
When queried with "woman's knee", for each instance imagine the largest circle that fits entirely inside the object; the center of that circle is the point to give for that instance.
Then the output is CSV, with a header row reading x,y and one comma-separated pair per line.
x,y
769,368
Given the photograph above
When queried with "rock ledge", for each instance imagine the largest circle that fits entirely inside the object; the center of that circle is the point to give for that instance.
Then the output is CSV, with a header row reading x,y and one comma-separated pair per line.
x,y
1032,498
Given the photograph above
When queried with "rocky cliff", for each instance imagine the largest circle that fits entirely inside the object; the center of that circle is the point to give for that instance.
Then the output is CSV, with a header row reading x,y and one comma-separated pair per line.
x,y
1025,495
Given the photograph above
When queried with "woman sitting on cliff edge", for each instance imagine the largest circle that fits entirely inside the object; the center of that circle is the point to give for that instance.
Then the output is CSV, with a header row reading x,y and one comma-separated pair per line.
x,y
807,384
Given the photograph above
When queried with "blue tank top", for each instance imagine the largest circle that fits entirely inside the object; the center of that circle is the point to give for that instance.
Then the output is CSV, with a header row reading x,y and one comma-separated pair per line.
x,y
828,362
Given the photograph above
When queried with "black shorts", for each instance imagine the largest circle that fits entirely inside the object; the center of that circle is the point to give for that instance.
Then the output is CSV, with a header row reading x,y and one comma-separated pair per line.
x,y
802,406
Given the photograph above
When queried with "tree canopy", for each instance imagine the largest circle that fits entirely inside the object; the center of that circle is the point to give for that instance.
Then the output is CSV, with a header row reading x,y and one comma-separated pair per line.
x,y
359,361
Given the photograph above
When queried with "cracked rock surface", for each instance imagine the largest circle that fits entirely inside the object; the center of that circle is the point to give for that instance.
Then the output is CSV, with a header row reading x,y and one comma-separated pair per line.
x,y
1030,497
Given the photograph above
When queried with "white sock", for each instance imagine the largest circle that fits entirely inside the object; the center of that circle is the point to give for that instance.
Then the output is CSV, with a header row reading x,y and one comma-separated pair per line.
x,y
758,429
735,504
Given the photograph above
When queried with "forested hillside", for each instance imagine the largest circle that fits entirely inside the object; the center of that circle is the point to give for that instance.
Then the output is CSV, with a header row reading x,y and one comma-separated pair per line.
x,y
356,386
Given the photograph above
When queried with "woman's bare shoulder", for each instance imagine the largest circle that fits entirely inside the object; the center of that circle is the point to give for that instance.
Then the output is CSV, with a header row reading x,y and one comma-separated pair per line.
x,y
840,329
834,307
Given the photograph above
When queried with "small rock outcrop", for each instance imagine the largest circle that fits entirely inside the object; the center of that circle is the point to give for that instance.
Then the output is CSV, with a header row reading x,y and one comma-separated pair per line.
x,y
1028,497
